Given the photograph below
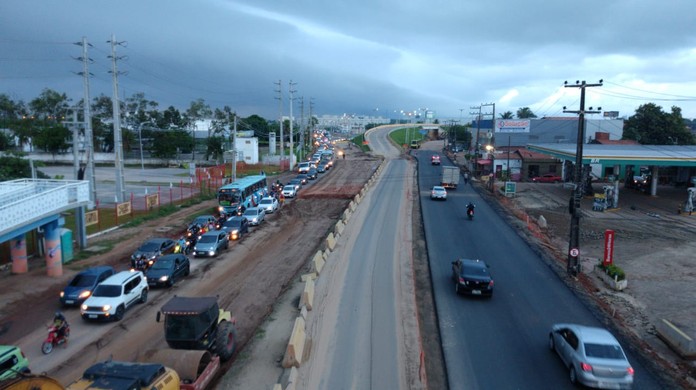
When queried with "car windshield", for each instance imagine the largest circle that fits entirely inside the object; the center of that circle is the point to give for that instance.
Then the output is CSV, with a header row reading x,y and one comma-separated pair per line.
x,y
83,281
474,270
107,290
201,220
251,212
162,264
206,239
266,201
604,351
149,247
232,223
289,188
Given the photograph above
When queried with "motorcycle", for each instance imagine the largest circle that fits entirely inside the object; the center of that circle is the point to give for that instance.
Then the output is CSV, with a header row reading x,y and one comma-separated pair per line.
x,y
141,264
53,340
470,213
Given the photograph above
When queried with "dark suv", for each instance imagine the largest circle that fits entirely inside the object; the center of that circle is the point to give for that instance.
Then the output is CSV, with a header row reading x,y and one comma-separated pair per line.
x,y
472,277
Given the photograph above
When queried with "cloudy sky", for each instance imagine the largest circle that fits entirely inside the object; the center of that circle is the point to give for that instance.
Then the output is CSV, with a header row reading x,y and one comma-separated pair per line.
x,y
364,57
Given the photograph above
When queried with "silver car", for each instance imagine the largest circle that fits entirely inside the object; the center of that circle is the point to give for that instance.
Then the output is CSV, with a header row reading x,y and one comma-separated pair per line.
x,y
270,204
211,243
255,215
438,192
593,356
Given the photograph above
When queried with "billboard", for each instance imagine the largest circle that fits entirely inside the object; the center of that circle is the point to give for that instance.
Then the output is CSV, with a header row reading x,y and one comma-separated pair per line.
x,y
512,125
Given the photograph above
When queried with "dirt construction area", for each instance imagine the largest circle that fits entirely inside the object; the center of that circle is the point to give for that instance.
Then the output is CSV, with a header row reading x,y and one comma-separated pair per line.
x,y
249,278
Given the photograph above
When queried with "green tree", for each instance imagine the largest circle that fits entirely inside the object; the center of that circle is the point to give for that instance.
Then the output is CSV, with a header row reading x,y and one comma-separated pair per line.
x,y
525,113
53,139
167,143
652,126
6,142
258,124
214,147
506,115
14,167
50,105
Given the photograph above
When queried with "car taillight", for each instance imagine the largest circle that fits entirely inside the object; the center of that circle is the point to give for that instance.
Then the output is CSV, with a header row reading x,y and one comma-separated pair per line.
x,y
490,284
585,367
461,280
630,371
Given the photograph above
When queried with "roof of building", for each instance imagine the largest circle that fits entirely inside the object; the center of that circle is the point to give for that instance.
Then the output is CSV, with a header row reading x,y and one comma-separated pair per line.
x,y
622,154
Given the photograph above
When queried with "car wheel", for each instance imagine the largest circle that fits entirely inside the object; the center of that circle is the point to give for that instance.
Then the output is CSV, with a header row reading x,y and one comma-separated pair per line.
x,y
119,313
573,375
143,296
188,271
170,282
552,344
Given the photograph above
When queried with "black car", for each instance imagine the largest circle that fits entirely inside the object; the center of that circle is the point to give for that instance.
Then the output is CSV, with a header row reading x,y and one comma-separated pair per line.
x,y
168,269
321,168
303,178
296,182
312,174
154,248
236,227
472,277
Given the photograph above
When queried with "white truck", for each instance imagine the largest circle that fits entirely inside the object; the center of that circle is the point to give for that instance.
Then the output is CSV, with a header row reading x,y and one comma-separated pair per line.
x,y
450,177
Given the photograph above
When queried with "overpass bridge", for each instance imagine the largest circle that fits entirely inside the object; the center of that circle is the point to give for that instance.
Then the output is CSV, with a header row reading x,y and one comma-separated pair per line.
x,y
37,204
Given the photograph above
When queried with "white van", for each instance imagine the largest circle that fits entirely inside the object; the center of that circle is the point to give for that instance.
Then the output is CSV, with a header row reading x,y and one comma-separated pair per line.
x,y
303,167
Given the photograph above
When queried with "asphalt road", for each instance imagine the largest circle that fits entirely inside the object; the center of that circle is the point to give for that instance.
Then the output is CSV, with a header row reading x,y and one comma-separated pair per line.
x,y
497,343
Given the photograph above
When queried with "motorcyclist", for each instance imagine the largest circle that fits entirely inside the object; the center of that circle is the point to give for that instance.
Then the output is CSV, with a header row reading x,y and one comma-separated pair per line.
x,y
181,244
470,208
61,324
221,220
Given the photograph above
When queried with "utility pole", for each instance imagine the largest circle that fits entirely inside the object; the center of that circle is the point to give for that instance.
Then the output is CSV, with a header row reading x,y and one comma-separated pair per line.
x,y
87,114
478,131
302,129
574,204
292,91
118,139
280,108
234,150
310,127
491,140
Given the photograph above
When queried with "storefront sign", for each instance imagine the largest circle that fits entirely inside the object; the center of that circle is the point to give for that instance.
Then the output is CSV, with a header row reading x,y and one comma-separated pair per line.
x,y
608,247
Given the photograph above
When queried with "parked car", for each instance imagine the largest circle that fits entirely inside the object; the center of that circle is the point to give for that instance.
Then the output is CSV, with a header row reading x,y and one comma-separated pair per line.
x,y
211,243
115,295
236,227
312,174
472,277
13,362
547,178
592,355
154,248
255,215
168,269
269,204
435,159
438,192
289,191
81,286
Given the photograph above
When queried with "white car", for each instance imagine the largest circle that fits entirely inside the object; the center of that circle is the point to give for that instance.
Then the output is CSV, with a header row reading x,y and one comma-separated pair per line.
x,y
255,215
270,204
289,191
114,295
438,192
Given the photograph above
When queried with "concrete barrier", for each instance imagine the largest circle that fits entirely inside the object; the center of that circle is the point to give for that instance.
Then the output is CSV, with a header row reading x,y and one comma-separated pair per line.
x,y
339,228
352,206
357,198
318,262
306,277
307,297
679,341
331,241
290,378
346,215
295,349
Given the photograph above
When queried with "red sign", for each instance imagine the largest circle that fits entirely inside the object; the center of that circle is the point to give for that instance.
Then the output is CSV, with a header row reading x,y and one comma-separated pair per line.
x,y
608,247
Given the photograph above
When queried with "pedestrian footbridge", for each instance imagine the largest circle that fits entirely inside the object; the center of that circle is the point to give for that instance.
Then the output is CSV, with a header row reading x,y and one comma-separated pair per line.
x,y
29,204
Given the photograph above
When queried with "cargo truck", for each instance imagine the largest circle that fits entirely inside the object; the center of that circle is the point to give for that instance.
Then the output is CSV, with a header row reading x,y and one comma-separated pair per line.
x,y
450,177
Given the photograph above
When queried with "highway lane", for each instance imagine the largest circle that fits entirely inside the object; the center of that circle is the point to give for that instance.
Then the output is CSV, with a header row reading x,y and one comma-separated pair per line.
x,y
360,342
498,343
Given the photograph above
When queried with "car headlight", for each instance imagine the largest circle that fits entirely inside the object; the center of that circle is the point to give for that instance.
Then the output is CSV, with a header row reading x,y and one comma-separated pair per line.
x,y
211,253
235,231
164,278
84,294
106,307
62,294
83,307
